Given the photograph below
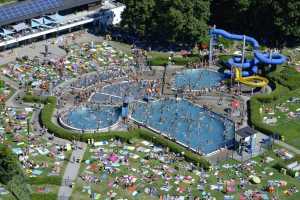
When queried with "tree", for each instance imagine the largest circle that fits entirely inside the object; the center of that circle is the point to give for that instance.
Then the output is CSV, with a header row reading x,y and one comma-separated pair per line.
x,y
273,22
12,175
137,15
167,21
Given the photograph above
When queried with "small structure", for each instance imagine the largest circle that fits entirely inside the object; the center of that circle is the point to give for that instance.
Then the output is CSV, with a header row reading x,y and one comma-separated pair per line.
x,y
246,139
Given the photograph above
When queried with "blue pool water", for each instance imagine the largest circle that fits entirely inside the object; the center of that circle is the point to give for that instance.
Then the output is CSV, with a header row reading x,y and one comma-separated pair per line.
x,y
131,89
189,124
197,79
91,118
105,98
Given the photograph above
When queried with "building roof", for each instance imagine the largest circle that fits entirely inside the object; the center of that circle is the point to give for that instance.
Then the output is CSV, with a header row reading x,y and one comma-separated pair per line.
x,y
20,27
20,11
246,131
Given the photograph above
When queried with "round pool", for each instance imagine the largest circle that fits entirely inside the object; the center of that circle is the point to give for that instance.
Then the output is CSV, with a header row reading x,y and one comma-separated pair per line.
x,y
91,118
189,124
197,79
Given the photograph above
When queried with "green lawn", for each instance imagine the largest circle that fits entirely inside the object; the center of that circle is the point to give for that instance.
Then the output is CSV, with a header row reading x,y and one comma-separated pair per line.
x,y
135,169
45,191
265,171
262,170
286,126
157,58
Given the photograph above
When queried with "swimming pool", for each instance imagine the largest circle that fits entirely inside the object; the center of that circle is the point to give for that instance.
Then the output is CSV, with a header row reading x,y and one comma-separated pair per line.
x,y
88,118
133,91
189,124
197,79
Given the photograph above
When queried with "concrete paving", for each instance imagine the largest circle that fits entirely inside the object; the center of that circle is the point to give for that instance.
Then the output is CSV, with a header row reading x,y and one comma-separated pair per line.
x,y
71,172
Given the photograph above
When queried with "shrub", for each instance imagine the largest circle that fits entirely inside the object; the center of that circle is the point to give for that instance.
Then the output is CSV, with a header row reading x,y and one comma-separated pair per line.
x,y
40,196
11,174
286,76
2,84
52,180
278,166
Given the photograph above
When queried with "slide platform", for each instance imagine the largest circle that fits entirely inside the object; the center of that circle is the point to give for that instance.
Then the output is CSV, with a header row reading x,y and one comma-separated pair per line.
x,y
252,81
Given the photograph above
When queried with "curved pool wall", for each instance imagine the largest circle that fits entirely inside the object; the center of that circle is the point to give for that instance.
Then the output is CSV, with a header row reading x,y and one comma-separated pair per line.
x,y
197,79
190,125
103,98
133,90
90,119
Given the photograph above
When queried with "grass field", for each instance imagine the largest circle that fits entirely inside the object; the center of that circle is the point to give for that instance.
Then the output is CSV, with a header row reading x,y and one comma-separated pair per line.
x,y
287,126
221,173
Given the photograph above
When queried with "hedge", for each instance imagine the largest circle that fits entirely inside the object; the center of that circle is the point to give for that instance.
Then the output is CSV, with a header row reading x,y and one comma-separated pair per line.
x,y
52,180
286,76
2,84
46,120
278,166
255,103
34,99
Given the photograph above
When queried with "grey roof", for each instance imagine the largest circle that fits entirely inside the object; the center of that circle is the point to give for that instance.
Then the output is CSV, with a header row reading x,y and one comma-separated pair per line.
x,y
246,131
21,26
20,11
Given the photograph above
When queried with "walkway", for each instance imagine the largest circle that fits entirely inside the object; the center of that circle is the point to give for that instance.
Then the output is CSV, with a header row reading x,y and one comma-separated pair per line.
x,y
71,172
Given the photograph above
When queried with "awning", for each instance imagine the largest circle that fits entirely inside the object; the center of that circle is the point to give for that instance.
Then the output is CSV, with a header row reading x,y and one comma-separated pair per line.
x,y
56,17
35,24
6,32
47,21
39,20
20,27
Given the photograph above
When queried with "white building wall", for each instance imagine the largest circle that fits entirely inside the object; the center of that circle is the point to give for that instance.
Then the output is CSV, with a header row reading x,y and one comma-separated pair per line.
x,y
118,14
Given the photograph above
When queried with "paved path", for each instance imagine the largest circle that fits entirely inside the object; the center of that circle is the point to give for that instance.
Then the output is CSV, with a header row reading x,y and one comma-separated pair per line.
x,y
11,83
71,172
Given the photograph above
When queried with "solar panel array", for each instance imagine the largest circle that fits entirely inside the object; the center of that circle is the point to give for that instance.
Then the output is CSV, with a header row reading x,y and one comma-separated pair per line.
x,y
28,8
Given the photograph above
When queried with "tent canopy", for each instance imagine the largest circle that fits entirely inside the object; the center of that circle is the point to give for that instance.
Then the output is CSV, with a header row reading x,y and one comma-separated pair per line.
x,y
6,32
35,24
56,17
48,21
41,22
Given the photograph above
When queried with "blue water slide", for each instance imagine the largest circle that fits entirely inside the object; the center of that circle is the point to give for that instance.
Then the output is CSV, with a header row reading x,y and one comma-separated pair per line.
x,y
237,61
231,36
274,59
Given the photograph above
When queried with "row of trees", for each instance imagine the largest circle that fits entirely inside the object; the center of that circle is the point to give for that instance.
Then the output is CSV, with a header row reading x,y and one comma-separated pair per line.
x,y
273,22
